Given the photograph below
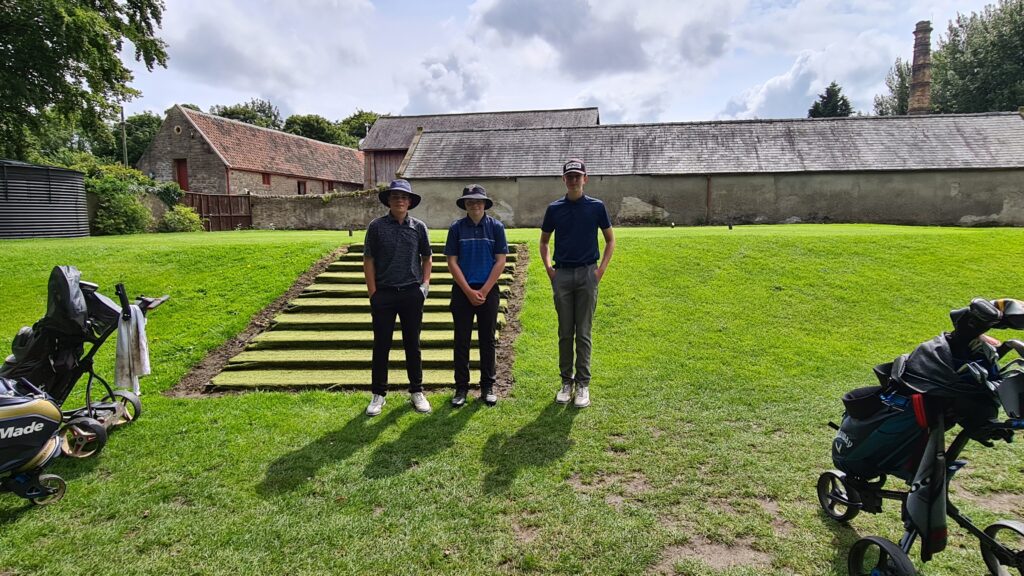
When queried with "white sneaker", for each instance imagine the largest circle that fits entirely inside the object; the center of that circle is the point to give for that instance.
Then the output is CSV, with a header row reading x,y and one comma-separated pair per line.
x,y
419,402
564,395
490,398
582,397
376,405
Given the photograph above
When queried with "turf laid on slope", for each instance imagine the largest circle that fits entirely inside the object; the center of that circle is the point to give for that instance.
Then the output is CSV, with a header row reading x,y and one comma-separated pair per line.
x,y
719,357
302,362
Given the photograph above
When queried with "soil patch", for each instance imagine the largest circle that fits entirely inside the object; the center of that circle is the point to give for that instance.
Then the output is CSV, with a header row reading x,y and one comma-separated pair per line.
x,y
716,556
194,383
997,502
506,348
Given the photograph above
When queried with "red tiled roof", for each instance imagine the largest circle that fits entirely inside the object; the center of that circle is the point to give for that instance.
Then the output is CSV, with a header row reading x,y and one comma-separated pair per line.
x,y
247,147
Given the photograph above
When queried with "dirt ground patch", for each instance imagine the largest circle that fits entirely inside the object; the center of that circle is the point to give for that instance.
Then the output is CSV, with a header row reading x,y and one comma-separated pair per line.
x,y
193,384
506,349
1001,503
714,555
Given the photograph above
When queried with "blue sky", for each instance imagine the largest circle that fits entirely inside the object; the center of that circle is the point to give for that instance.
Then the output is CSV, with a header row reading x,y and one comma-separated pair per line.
x,y
650,61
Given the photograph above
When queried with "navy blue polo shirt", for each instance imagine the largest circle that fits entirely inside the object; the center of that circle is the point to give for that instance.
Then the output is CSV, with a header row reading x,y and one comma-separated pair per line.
x,y
476,245
575,226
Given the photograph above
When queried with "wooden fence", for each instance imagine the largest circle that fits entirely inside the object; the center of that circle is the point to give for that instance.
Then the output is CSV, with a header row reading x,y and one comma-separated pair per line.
x,y
220,211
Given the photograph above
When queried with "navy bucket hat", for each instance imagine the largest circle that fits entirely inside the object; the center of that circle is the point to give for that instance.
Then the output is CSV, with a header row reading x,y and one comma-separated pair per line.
x,y
399,186
474,192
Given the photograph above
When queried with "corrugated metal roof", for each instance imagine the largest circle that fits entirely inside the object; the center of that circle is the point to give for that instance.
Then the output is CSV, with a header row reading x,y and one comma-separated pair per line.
x,y
247,147
938,142
396,132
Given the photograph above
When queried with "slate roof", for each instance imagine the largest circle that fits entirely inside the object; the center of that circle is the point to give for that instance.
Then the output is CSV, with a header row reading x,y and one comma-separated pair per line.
x,y
247,147
396,132
937,142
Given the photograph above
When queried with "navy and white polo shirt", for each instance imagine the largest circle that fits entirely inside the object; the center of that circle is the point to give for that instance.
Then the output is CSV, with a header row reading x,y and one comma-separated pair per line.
x,y
476,245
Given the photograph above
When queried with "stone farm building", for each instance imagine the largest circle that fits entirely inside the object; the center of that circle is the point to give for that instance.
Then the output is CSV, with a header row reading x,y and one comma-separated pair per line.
x,y
391,137
214,155
963,169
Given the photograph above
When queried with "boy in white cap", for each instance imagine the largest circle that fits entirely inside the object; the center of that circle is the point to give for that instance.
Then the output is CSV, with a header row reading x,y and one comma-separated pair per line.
x,y
476,250
396,266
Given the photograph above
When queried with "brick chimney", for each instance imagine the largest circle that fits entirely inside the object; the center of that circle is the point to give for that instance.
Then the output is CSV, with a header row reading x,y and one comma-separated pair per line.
x,y
921,76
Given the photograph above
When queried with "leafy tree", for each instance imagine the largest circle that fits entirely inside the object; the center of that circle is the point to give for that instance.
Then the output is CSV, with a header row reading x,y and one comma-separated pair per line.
x,y
257,111
316,127
831,104
358,123
897,101
979,67
139,130
63,56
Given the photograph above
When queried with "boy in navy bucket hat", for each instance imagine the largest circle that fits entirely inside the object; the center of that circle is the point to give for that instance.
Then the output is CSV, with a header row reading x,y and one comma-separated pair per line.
x,y
476,251
396,266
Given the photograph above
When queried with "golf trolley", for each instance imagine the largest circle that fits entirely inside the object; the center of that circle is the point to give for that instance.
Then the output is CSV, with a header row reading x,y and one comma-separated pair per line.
x,y
898,428
51,355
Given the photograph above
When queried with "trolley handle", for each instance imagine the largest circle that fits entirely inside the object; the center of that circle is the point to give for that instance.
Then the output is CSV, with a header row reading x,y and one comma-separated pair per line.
x,y
122,295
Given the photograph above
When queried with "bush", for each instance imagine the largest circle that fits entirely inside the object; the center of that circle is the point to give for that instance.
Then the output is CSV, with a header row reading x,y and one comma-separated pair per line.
x,y
168,192
180,218
119,208
121,214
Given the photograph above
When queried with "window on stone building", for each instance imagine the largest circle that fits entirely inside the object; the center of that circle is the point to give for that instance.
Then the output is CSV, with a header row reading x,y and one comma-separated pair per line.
x,y
266,179
302,188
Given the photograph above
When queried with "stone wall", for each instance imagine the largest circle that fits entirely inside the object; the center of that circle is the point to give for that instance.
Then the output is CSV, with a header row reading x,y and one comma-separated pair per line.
x,y
178,139
252,182
945,198
326,212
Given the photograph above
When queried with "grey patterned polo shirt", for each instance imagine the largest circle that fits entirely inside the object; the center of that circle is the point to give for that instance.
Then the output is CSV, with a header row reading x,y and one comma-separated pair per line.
x,y
396,250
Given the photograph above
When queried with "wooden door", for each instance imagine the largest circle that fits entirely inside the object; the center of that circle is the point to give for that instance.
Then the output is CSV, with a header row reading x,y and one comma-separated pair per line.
x,y
181,173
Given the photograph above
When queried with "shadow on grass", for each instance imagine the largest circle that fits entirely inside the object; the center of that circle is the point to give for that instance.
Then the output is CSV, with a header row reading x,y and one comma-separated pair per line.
x,y
843,536
290,471
539,443
430,435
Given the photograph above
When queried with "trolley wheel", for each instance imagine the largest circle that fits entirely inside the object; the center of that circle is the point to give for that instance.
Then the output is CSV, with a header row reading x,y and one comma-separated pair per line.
x,y
129,407
1010,535
84,437
53,484
839,500
876,556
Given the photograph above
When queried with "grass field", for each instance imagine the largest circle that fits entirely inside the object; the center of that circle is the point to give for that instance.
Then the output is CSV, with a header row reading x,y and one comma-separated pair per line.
x,y
719,358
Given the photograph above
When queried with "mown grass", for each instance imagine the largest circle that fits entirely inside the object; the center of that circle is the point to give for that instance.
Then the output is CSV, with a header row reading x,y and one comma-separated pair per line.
x,y
719,357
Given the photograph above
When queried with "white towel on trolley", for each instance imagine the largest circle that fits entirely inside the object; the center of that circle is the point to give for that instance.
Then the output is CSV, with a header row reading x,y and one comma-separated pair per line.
x,y
132,351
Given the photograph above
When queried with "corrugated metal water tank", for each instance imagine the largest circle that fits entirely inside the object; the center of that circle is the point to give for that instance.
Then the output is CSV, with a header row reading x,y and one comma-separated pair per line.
x,y
41,202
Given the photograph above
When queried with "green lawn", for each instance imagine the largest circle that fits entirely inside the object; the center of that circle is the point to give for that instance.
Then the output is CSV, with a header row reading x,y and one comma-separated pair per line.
x,y
719,358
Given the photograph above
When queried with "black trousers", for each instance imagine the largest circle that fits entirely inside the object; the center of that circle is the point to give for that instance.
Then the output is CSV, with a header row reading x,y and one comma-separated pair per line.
x,y
407,304
487,321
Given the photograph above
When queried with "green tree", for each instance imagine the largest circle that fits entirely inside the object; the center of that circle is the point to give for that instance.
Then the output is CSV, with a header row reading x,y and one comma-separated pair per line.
x,y
316,127
63,56
256,111
357,124
139,130
979,66
897,101
831,104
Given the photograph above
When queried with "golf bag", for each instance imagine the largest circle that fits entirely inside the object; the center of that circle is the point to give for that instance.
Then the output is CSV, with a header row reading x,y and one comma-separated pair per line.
x,y
898,428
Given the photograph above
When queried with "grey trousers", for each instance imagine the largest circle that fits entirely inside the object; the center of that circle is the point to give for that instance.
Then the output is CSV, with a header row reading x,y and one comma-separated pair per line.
x,y
575,291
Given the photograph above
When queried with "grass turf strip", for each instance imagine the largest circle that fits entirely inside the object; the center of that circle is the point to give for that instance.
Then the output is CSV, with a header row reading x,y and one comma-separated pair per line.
x,y
718,357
